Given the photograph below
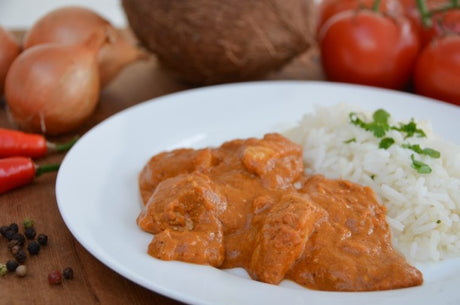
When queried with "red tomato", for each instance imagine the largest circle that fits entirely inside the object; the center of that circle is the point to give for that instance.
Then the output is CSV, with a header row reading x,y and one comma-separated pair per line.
x,y
368,48
437,70
329,8
412,12
443,23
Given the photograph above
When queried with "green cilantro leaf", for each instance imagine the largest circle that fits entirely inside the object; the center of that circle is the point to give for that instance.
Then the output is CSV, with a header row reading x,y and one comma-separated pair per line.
x,y
410,129
385,143
381,117
419,166
350,141
425,151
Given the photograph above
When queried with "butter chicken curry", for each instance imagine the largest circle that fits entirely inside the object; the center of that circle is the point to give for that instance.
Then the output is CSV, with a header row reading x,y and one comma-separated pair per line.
x,y
248,204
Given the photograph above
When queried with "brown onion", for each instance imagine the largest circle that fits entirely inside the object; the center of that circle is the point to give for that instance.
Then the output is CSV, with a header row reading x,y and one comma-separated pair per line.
x,y
9,50
53,88
74,25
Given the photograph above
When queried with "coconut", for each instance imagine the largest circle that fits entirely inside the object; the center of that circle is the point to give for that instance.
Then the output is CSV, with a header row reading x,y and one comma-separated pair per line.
x,y
209,41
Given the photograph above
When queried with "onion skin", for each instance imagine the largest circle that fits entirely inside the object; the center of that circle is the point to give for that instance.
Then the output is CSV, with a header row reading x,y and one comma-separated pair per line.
x,y
9,50
75,25
53,88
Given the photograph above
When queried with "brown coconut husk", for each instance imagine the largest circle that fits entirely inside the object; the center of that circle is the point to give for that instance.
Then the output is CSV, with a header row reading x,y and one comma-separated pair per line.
x,y
209,41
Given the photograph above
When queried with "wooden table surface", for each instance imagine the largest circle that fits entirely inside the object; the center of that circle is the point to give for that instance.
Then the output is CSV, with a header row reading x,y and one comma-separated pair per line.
x,y
94,283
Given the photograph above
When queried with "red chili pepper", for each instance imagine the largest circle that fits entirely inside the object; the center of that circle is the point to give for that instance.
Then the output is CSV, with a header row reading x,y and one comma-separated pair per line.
x,y
18,143
19,171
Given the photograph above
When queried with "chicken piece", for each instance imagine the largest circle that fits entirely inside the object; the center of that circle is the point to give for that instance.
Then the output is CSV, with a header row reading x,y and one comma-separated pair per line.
x,y
282,237
352,251
275,159
183,213
161,167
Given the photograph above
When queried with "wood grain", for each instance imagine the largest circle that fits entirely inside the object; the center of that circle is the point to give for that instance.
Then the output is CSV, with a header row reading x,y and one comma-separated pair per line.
x,y
94,283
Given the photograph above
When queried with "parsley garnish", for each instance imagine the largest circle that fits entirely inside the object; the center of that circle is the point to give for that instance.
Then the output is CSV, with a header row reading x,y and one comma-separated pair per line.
x,y
385,143
379,127
410,129
350,141
425,151
419,166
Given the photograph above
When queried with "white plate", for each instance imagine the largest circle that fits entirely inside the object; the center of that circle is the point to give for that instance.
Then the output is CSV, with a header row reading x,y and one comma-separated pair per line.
x,y
99,201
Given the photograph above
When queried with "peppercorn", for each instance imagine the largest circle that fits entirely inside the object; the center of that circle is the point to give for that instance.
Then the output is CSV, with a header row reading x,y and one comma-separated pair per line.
x,y
3,270
54,277
42,239
67,273
14,227
20,256
14,242
3,230
11,265
20,238
15,249
27,223
30,233
33,247
9,234
21,271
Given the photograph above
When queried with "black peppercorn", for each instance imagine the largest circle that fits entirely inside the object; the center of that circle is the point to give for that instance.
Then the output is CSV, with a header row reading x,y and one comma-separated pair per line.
x,y
9,234
42,239
14,227
11,265
33,247
20,256
67,273
30,233
3,230
20,238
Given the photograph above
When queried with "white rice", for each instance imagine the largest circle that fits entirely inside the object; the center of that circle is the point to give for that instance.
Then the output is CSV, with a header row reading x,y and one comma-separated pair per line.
x,y
423,210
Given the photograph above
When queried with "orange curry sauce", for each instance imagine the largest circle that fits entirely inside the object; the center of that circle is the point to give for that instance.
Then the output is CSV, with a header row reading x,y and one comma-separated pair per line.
x,y
248,204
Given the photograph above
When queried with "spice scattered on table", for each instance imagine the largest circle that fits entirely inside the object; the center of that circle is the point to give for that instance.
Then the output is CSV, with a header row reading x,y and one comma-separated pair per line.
x,y
21,256
30,233
18,242
54,277
3,270
67,273
14,227
27,223
12,265
19,238
33,247
21,270
42,239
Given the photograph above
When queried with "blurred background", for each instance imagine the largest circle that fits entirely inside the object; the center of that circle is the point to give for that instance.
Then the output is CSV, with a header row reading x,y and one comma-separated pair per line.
x,y
20,14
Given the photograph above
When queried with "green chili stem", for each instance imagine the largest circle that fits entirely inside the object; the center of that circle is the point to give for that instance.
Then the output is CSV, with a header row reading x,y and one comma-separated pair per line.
x,y
61,147
375,6
41,169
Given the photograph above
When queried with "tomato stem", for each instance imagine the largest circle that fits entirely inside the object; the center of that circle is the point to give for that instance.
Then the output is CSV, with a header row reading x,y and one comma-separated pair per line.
x,y
41,169
427,14
375,6
446,7
424,13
